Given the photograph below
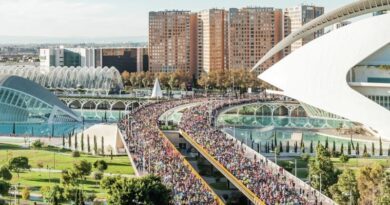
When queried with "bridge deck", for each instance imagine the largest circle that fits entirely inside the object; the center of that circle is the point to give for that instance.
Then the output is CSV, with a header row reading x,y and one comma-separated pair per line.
x,y
236,182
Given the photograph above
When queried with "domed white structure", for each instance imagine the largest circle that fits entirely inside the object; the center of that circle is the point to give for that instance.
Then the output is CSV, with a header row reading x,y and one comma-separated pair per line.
x,y
22,100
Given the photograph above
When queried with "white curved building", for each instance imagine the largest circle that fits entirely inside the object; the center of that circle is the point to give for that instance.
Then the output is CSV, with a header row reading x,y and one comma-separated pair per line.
x,y
22,100
93,80
342,73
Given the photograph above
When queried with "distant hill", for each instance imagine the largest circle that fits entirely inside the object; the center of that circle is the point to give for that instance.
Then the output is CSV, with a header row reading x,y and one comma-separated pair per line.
x,y
69,40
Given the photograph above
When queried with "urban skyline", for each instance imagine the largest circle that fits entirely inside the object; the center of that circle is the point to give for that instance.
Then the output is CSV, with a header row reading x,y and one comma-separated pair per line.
x,y
25,19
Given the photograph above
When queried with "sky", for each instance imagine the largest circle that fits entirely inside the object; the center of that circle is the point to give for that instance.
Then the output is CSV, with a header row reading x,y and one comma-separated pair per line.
x,y
111,18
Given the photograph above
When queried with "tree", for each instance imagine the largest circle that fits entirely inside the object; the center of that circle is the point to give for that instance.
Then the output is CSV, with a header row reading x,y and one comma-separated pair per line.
x,y
82,168
95,149
63,141
69,141
349,151
333,148
4,187
132,191
296,147
82,142
280,146
369,179
79,197
5,173
69,177
303,147
18,164
311,146
384,196
345,191
288,147
321,169
357,148
326,143
365,149
102,146
100,165
75,142
53,195
380,147
88,145
342,148
372,149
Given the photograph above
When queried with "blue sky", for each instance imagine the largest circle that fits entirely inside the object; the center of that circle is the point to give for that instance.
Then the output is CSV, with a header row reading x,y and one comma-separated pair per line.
x,y
110,18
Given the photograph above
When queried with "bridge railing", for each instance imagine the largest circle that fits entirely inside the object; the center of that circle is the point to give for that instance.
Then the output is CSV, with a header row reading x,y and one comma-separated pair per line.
x,y
236,182
193,171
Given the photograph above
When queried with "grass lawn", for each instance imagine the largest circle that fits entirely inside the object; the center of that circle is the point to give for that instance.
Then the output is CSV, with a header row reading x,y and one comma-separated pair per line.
x,y
355,163
55,158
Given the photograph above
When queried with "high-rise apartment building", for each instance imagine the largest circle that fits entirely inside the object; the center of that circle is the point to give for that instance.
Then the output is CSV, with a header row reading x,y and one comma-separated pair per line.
x,y
295,18
252,33
212,40
172,41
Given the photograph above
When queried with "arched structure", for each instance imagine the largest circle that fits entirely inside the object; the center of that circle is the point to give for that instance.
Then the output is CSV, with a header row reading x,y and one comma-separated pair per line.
x,y
22,100
316,74
92,80
351,10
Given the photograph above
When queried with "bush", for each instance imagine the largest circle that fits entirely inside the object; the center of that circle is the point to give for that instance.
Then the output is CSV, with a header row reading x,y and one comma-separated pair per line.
x,y
75,153
90,197
97,175
40,164
366,155
37,144
25,193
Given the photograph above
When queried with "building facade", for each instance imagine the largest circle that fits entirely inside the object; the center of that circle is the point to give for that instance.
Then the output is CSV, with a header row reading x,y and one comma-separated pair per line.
x,y
212,40
252,32
70,57
172,41
123,59
295,18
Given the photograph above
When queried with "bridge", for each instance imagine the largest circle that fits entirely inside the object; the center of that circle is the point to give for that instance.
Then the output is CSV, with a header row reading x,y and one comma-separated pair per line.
x,y
106,102
236,182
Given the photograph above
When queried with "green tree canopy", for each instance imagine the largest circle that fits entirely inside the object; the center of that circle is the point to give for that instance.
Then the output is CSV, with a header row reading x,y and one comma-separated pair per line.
x,y
146,190
321,170
5,173
82,168
100,165
4,187
53,195
345,191
18,164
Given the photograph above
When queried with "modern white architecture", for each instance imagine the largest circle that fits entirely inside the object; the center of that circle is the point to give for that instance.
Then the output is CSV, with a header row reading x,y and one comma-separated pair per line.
x,y
345,72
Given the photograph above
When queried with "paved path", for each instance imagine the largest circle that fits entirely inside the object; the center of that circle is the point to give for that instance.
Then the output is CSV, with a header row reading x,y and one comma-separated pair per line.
x,y
59,171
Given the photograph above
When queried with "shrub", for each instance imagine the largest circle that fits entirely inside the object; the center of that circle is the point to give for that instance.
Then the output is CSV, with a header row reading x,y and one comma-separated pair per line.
x,y
40,164
366,155
25,193
75,153
37,144
97,175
